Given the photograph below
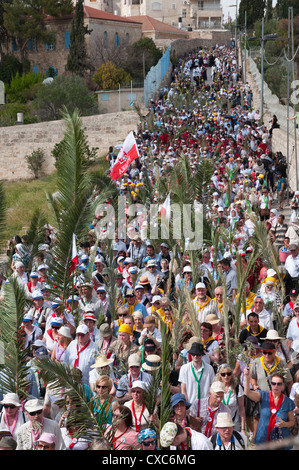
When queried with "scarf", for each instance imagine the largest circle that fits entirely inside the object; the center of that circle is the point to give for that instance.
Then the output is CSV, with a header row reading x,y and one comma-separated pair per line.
x,y
254,334
210,421
197,379
137,420
273,410
76,363
276,362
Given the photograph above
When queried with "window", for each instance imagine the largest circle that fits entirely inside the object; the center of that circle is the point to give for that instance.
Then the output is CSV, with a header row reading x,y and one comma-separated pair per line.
x,y
117,40
127,39
32,46
184,13
105,40
67,39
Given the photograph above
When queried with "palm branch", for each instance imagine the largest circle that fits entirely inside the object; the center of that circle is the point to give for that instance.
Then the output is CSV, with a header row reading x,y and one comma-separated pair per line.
x,y
14,366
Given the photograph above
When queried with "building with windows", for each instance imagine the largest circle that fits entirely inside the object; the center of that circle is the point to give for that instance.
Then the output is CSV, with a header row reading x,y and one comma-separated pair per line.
x,y
110,36
186,14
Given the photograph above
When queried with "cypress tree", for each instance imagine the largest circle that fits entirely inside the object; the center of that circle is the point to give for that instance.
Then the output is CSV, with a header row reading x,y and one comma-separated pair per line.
x,y
78,62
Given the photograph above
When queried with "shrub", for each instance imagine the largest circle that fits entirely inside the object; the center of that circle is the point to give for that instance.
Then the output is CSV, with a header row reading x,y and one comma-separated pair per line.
x,y
109,76
9,67
23,87
35,161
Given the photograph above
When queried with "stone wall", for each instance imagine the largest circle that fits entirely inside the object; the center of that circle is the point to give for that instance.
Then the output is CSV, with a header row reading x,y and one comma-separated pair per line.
x,y
18,141
283,139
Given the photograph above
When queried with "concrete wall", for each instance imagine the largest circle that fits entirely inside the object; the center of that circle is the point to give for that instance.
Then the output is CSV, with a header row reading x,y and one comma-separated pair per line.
x,y
283,139
18,141
113,101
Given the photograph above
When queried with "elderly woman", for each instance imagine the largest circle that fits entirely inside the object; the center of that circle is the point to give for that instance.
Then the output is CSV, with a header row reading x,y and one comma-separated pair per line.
x,y
102,402
181,415
120,433
233,396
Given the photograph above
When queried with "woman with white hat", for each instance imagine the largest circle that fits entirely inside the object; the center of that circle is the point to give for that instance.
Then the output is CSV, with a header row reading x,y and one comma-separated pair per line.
x,y
63,340
11,417
140,413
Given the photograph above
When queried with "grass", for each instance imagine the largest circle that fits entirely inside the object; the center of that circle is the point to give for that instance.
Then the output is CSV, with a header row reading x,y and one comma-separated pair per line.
x,y
23,198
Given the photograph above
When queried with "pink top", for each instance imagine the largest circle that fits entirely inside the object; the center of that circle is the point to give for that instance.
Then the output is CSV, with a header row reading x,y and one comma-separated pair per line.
x,y
126,441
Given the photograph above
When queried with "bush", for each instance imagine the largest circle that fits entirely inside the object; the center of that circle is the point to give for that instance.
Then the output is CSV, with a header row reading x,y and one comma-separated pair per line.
x,y
8,114
35,161
23,87
109,76
69,91
9,67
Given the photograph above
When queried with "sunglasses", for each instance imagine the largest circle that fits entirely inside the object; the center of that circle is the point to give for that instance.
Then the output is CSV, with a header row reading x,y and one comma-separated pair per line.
x,y
228,374
279,384
101,386
268,353
12,407
44,446
149,443
38,412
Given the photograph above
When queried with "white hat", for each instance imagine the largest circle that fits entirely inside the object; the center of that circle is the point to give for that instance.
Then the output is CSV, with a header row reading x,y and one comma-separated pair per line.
x,y
65,331
33,405
217,387
134,360
272,334
224,420
28,317
82,329
18,264
138,384
187,269
11,398
200,285
156,298
271,273
88,308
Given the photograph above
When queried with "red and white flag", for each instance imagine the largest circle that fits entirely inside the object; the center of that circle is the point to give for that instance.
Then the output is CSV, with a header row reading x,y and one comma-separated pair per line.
x,y
165,209
127,154
75,257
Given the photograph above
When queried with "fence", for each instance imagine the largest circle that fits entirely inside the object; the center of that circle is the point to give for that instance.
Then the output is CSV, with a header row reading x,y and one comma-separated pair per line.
x,y
155,76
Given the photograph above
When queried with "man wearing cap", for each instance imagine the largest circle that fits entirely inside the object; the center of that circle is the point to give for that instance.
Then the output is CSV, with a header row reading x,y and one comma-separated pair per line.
x,y
132,304
264,367
81,352
107,340
124,387
152,271
203,304
178,438
37,424
33,284
288,311
32,332
293,232
11,416
150,253
226,438
57,311
292,264
39,311
196,376
51,334
90,320
207,409
137,250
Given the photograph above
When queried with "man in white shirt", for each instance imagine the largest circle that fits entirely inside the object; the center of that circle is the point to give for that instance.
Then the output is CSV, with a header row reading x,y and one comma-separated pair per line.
x,y
196,377
292,263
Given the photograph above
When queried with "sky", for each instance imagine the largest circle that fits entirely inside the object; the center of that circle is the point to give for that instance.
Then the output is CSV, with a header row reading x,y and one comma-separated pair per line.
x,y
231,11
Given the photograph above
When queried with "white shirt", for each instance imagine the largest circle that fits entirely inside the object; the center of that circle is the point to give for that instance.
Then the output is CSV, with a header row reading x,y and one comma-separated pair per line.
x,y
293,333
186,377
292,265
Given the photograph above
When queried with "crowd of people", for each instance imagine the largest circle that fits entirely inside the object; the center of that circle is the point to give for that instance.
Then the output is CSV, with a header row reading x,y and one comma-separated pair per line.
x,y
217,401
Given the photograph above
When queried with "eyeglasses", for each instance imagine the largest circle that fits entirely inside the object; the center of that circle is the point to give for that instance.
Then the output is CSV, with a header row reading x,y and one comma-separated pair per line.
x,y
44,446
268,353
149,443
101,386
278,384
38,412
228,374
136,391
12,407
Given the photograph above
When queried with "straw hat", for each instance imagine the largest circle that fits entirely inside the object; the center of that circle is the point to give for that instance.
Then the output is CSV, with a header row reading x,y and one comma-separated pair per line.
x,y
272,335
102,361
224,420
212,319
152,362
11,399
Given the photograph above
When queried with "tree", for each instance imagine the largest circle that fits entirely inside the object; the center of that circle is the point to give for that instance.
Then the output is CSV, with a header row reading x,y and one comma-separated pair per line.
x,y
255,11
282,7
69,91
109,76
77,61
142,55
25,20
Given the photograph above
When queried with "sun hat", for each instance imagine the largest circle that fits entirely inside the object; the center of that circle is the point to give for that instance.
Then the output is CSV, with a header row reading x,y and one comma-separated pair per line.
x,y
224,420
200,285
102,361
134,360
138,384
7,442
212,319
196,349
167,434
272,335
143,280
188,345
89,316
65,331
12,399
177,398
47,437
152,362
124,328
33,405
105,330
217,387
